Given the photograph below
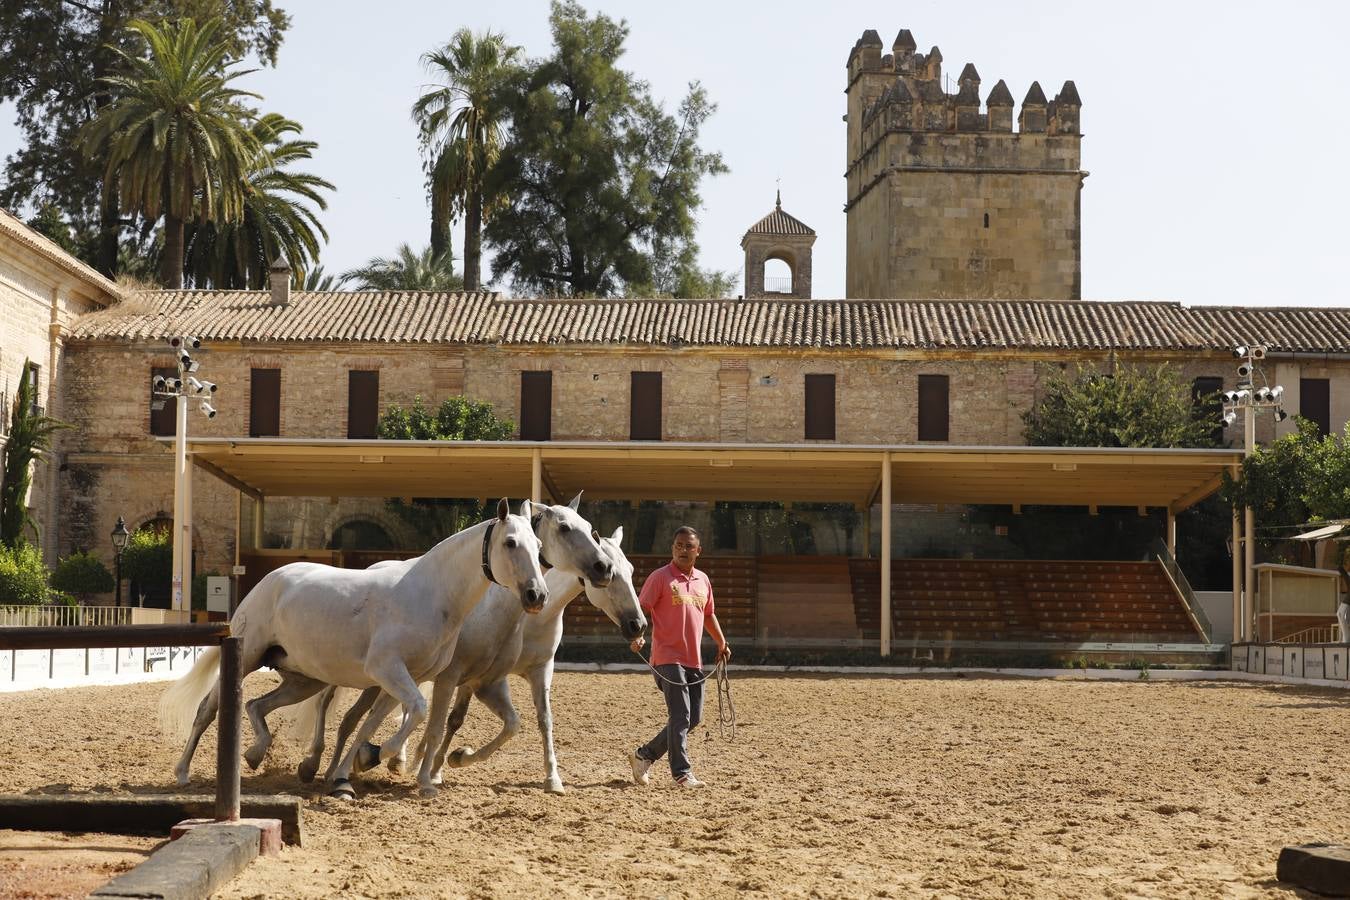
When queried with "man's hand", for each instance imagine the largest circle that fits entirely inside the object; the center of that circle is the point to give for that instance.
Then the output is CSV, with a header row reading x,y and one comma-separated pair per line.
x,y
724,653
638,643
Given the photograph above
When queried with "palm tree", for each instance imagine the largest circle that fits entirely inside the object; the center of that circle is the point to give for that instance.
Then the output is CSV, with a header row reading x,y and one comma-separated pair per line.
x,y
30,439
276,221
315,280
177,137
460,130
407,271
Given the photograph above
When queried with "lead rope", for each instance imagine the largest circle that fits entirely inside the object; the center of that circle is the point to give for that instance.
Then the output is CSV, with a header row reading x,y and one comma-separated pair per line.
x,y
726,709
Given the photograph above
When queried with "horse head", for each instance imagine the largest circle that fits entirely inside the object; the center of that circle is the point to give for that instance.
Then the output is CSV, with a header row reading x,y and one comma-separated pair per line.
x,y
511,557
618,599
570,544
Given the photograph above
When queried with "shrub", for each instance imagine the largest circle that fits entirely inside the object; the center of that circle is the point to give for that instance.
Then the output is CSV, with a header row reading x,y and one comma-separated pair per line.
x,y
23,576
148,559
81,574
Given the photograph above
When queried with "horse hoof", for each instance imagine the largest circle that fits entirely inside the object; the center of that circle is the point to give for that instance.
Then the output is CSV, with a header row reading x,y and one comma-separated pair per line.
x,y
368,757
181,778
460,758
254,757
395,765
306,771
437,778
555,786
343,790
428,791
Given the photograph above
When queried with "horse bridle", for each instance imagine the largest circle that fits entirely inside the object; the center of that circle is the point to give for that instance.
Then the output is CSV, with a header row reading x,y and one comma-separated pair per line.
x,y
487,544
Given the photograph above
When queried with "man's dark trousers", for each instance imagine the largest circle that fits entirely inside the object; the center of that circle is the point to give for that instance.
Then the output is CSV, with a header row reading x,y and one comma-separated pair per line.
x,y
683,689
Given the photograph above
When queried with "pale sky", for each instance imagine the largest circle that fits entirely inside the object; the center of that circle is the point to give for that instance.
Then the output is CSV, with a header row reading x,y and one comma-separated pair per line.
x,y
1216,133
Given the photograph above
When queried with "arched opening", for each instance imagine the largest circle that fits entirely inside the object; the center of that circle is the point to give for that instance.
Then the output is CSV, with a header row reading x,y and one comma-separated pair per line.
x,y
777,276
360,534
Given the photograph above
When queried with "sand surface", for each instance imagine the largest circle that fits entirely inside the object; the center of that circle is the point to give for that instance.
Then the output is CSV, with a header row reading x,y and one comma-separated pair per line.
x,y
835,786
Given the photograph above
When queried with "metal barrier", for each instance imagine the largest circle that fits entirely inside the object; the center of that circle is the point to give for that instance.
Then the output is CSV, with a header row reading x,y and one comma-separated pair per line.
x,y
55,616
30,637
1317,634
1183,589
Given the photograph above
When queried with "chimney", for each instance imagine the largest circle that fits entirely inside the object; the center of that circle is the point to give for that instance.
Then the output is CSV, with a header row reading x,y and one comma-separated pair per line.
x,y
280,277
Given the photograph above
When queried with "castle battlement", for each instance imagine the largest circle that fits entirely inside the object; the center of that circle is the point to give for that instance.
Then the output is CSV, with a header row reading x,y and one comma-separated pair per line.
x,y
946,195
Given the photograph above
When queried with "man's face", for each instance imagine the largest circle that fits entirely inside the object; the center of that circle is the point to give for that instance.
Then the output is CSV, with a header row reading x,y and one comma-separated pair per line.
x,y
685,549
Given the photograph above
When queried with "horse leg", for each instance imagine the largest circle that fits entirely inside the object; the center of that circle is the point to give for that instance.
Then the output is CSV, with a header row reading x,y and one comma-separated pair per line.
x,y
206,713
309,766
349,723
294,688
541,686
341,776
452,725
496,697
440,699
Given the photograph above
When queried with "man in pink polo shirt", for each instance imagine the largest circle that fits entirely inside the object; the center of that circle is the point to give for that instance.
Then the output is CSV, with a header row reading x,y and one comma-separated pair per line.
x,y
678,600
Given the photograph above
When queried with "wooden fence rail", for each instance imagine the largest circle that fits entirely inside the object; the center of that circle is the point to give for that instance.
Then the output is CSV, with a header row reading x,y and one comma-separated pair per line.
x,y
231,688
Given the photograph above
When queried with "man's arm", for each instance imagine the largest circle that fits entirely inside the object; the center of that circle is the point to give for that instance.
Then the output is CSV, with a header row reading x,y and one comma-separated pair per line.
x,y
714,628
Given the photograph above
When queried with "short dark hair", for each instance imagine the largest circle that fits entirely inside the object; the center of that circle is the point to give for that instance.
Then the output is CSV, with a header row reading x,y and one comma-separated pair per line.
x,y
687,529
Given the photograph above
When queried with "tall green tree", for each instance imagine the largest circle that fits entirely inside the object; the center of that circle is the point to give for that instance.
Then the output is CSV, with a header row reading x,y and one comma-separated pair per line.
x,y
407,270
177,138
460,129
604,184
54,55
29,440
279,217
1130,406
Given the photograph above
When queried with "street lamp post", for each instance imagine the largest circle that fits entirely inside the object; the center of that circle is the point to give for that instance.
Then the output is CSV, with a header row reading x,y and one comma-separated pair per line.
x,y
1248,400
120,536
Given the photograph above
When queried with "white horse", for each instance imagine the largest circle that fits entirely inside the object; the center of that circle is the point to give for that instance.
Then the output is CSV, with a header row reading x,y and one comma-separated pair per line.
x,y
392,627
496,642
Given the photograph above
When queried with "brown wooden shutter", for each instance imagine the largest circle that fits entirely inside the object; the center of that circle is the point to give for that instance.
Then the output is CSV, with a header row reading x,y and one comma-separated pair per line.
x,y
1314,402
536,406
644,413
363,404
934,417
1207,404
264,409
820,407
164,420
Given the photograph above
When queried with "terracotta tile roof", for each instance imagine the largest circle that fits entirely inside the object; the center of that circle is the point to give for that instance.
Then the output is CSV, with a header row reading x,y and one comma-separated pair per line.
x,y
779,222
490,319
14,229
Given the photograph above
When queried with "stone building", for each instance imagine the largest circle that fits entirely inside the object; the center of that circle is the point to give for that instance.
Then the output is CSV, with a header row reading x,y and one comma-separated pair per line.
x,y
947,200
778,236
42,291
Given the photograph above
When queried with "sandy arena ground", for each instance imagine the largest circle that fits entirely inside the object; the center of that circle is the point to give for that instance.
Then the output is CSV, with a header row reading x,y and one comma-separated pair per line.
x,y
836,786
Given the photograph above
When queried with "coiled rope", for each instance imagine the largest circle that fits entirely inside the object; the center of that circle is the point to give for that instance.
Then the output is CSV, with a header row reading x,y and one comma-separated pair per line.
x,y
726,709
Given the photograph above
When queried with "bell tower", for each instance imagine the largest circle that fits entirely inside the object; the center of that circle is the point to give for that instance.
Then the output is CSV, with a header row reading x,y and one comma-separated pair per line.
x,y
778,236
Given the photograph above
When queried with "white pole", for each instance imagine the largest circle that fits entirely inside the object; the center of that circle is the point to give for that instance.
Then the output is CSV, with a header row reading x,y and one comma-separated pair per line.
x,y
186,580
179,466
886,553
1239,628
1249,521
537,476
1172,533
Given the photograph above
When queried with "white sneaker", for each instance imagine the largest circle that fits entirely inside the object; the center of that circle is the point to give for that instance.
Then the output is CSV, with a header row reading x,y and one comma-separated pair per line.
x,y
689,781
640,767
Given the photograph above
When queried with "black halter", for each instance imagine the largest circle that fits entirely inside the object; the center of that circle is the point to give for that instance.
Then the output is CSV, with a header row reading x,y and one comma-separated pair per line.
x,y
534,525
487,564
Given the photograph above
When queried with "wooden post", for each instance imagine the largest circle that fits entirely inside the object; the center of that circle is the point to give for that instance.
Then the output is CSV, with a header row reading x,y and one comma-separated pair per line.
x,y
1171,533
886,553
228,727
259,511
536,475
186,534
1239,629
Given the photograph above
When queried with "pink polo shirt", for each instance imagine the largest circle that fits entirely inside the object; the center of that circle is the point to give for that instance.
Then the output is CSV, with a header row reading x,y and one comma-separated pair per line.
x,y
676,603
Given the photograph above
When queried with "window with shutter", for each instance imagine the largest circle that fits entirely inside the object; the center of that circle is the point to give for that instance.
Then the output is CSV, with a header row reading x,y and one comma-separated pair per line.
x,y
1207,404
644,415
264,408
536,406
163,410
934,415
820,407
1314,402
363,404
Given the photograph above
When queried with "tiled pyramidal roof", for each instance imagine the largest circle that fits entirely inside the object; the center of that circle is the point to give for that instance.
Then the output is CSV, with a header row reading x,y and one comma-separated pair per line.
x,y
779,222
490,319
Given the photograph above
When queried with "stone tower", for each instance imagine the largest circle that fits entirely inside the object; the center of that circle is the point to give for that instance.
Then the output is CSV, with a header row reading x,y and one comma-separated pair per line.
x,y
783,237
945,200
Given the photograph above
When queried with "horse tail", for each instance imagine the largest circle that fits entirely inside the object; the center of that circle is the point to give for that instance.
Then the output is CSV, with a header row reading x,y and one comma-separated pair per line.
x,y
305,718
178,705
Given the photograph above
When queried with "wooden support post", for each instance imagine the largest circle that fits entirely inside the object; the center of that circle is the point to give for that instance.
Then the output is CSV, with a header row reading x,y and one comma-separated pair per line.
x,y
228,728
1239,629
259,514
1172,533
536,475
886,553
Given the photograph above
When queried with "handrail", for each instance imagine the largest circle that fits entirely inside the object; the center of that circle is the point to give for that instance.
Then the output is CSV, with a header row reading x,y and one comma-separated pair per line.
x,y
39,637
1314,634
1183,589
53,614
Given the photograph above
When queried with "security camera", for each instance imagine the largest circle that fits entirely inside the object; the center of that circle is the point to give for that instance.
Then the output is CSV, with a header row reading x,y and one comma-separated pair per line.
x,y
1229,417
1277,392
194,366
197,386
174,384
1244,371
158,383
1239,351
1258,353
1230,396
1263,394
193,343
1244,394
185,359
207,409
175,342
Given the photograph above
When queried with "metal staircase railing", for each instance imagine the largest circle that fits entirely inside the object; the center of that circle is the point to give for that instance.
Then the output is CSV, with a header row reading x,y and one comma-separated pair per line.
x,y
1317,634
1183,589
